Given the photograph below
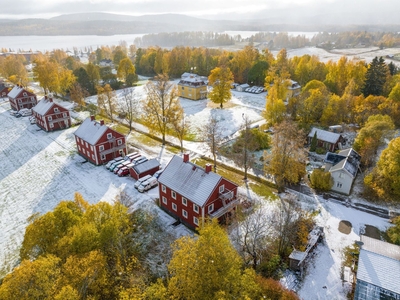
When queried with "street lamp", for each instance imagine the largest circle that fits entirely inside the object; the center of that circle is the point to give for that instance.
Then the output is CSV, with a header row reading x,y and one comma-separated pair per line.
x,y
244,117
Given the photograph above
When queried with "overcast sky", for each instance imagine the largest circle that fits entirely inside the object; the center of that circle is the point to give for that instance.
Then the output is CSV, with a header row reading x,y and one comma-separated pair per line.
x,y
17,9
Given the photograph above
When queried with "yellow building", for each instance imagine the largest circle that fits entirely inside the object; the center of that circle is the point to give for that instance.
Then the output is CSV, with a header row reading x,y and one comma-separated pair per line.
x,y
192,86
293,89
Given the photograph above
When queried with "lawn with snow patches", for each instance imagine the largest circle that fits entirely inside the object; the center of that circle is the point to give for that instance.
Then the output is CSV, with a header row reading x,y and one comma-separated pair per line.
x,y
39,169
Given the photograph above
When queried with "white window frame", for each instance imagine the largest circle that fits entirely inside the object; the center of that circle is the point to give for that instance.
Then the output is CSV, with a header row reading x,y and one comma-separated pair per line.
x,y
91,148
174,207
64,115
119,142
49,118
25,94
51,125
56,109
163,188
184,201
184,214
211,208
86,145
196,208
109,135
164,200
79,148
103,157
195,221
173,194
83,150
221,188
101,148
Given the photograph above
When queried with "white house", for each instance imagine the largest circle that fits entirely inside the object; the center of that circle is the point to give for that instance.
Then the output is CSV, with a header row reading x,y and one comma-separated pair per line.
x,y
343,167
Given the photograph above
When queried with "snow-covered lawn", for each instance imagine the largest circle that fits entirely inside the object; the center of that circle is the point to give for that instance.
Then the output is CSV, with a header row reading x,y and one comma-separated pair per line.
x,y
40,169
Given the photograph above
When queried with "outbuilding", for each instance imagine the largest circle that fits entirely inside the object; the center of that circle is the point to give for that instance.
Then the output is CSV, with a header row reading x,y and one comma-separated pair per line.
x,y
148,167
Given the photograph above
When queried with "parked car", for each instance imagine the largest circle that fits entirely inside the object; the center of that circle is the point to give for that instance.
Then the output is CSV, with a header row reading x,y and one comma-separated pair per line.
x,y
25,112
124,171
32,120
148,184
140,180
108,165
158,173
18,115
130,155
121,165
131,158
137,159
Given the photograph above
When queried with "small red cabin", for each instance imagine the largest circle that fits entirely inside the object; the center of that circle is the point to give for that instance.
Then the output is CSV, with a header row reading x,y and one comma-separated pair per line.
x,y
21,98
148,167
51,116
191,193
98,143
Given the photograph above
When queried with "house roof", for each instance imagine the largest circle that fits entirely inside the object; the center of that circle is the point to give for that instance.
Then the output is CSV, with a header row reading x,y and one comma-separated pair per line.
x,y
189,180
379,270
146,166
324,135
16,90
43,106
380,247
90,131
347,159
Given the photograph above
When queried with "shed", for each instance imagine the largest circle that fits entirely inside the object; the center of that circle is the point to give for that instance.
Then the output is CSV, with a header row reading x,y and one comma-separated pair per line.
x,y
148,167
242,87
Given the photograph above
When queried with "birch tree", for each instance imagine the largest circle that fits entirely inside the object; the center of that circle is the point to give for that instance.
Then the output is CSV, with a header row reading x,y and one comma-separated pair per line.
x,y
106,101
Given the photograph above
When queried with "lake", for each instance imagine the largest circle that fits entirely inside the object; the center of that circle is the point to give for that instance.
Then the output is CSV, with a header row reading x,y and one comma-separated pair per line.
x,y
48,43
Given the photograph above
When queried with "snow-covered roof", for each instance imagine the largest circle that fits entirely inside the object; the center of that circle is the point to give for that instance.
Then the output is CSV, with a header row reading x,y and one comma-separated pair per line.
x,y
146,166
324,135
43,106
189,180
379,270
380,247
16,90
298,255
90,131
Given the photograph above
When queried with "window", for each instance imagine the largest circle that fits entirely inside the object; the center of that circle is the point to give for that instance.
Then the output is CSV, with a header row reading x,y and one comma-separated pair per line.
x,y
109,135
93,157
184,201
101,148
56,109
341,175
86,145
91,147
196,208
103,157
83,150
164,200
195,221
339,185
49,118
174,207
79,148
19,101
25,94
163,188
119,142
173,194
184,213
51,125
64,115
221,188
210,208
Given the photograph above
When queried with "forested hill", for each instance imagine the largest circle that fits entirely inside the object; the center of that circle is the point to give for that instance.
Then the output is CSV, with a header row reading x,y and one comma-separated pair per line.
x,y
111,24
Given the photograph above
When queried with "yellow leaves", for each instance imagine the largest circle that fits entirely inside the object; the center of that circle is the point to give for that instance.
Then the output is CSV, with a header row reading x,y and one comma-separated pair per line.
x,y
221,80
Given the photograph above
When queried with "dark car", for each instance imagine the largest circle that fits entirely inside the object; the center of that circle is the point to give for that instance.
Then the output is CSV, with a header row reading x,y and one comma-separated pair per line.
x,y
17,115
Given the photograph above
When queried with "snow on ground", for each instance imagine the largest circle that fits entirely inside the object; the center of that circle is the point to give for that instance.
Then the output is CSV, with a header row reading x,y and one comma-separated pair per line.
x,y
39,169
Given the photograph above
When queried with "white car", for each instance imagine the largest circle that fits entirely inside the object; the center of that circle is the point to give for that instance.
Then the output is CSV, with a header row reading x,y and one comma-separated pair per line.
x,y
147,184
140,180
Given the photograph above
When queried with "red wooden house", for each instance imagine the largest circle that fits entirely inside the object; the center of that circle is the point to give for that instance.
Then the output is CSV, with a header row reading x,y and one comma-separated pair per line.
x,y
51,116
148,167
98,143
4,90
191,193
21,98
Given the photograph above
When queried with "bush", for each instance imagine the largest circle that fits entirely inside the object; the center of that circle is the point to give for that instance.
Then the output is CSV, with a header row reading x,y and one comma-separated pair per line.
x,y
320,150
321,180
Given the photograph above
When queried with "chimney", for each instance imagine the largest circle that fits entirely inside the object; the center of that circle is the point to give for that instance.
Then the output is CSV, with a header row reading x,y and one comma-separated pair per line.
x,y
185,157
208,168
45,97
50,99
91,118
101,122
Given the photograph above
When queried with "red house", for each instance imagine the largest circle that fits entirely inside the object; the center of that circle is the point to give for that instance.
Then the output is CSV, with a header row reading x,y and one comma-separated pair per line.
x,y
21,98
98,143
191,193
4,90
51,116
148,167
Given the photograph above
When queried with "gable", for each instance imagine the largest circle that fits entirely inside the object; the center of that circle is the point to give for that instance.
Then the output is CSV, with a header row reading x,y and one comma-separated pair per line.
x,y
17,92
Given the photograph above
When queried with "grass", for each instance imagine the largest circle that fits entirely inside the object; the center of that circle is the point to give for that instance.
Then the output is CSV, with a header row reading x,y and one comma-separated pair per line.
x,y
259,188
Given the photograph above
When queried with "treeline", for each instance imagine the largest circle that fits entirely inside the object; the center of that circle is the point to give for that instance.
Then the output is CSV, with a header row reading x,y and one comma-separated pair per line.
x,y
187,38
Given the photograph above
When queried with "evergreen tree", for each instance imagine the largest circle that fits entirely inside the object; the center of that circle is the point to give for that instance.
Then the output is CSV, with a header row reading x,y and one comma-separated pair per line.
x,y
313,145
375,77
